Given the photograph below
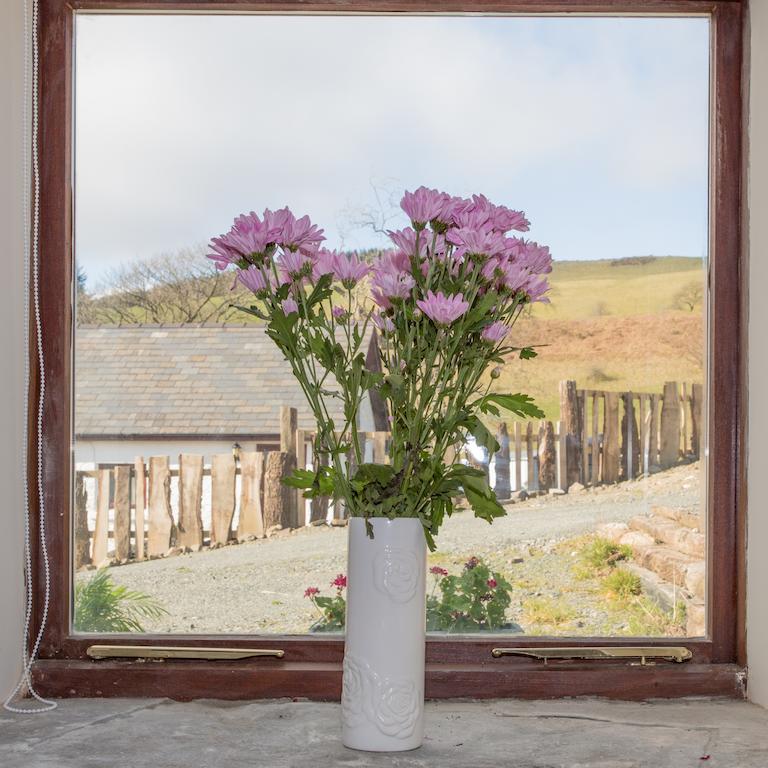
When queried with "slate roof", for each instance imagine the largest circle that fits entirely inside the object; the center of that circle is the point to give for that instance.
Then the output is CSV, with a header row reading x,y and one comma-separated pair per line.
x,y
182,380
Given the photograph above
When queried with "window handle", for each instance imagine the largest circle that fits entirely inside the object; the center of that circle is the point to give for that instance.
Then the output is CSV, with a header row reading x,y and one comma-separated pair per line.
x,y
178,652
666,653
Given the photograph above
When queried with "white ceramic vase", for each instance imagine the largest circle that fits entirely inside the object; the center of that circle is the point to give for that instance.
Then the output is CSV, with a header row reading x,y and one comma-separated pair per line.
x,y
382,700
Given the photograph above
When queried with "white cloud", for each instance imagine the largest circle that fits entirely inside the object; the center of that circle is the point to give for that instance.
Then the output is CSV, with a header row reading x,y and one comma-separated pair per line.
x,y
184,121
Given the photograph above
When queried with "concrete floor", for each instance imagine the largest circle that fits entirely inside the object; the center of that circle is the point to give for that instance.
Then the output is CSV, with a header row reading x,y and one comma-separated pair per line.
x,y
284,734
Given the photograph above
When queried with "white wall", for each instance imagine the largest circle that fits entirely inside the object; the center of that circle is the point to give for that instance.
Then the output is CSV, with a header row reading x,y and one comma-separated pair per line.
x,y
11,88
757,562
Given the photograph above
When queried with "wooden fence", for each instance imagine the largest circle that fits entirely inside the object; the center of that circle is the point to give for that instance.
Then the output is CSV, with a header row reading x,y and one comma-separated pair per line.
x,y
135,518
602,437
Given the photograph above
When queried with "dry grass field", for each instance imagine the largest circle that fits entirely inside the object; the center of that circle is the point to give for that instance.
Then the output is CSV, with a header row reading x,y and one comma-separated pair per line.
x,y
611,327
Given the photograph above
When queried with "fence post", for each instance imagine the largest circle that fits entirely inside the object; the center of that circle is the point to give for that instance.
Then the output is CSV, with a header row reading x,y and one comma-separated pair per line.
x,y
101,528
222,497
279,506
518,456
653,437
122,512
630,453
501,464
301,463
161,526
562,456
288,425
529,456
585,424
380,448
251,522
697,398
547,456
611,438
595,450
140,505
190,531
289,418
318,508
82,534
670,426
570,416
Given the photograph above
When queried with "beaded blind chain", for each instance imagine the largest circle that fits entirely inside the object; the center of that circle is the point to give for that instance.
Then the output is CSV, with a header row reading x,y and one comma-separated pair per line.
x,y
31,208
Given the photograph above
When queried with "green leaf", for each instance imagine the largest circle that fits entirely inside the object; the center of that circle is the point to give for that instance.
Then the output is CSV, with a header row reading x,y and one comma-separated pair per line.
x,y
482,499
379,473
528,353
519,404
482,435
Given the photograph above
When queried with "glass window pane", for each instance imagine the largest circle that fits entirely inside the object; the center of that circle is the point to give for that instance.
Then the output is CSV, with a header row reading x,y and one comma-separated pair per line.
x,y
596,127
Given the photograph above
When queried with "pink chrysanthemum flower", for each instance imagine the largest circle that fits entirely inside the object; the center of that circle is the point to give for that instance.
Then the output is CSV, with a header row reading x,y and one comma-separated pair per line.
x,y
383,323
311,591
537,258
253,279
495,332
250,238
339,314
349,270
323,262
535,288
391,280
423,205
492,583
405,240
294,266
442,309
476,242
289,306
295,234
436,570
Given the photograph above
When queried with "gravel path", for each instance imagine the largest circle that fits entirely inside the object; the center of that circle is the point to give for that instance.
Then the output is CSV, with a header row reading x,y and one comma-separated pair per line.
x,y
258,587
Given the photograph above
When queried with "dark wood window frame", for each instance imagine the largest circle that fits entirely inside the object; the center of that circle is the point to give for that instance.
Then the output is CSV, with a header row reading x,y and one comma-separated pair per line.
x,y
455,666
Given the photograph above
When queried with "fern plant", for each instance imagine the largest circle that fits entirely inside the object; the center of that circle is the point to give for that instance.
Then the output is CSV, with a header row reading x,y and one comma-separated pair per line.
x,y
103,606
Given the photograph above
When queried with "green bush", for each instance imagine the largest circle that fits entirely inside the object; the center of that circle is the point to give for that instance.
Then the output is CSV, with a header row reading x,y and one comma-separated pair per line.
x,y
602,553
474,601
333,610
103,606
622,583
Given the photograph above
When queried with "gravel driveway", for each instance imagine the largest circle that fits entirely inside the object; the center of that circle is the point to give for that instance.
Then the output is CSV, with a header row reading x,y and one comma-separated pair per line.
x,y
258,587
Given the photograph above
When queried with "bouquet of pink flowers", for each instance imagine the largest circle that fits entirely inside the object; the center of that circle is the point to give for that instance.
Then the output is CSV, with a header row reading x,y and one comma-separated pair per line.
x,y
442,302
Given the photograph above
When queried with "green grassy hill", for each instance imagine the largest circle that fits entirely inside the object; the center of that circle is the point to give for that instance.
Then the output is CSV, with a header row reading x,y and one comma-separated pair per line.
x,y
618,287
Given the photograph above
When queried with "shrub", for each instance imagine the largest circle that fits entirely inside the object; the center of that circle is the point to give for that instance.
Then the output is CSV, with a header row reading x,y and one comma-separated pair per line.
x,y
333,610
103,606
622,583
474,601
602,553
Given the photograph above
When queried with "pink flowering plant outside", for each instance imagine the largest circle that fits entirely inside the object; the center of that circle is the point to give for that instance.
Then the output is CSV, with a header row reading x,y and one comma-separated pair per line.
x,y
442,301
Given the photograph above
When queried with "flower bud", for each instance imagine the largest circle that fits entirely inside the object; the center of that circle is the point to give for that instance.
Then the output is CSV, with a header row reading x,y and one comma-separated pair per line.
x,y
496,372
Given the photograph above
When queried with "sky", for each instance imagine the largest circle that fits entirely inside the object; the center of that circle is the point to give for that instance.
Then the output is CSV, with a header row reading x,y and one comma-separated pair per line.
x,y
597,128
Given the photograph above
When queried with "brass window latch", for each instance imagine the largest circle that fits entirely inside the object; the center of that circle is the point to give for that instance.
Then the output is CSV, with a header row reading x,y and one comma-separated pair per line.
x,y
665,653
178,652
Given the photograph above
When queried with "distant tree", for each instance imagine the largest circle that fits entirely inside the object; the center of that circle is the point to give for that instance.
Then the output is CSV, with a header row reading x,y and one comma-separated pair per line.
x,y
180,287
379,217
689,296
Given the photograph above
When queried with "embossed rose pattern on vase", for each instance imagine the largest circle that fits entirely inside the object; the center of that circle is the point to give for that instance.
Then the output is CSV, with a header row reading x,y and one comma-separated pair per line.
x,y
393,706
396,573
354,692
